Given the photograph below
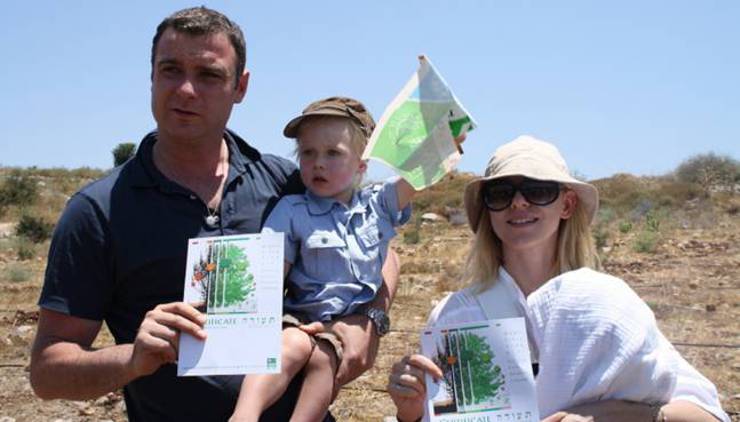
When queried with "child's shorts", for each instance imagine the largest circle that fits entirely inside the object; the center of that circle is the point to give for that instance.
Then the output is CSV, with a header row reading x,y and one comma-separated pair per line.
x,y
292,320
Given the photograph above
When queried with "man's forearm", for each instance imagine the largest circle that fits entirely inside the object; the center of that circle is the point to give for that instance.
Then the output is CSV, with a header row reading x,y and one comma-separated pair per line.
x,y
67,371
391,276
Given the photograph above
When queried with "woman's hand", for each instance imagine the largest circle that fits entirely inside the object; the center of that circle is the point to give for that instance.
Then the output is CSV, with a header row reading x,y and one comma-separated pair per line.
x,y
567,417
407,386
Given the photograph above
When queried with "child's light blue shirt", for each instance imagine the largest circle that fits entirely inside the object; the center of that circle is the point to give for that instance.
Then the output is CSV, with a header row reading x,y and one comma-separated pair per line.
x,y
336,251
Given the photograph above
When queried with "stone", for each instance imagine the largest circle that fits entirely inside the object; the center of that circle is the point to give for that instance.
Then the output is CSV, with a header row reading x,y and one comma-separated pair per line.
x,y
430,217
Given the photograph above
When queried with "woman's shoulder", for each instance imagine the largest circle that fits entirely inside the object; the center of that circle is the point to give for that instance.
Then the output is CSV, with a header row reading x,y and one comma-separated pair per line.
x,y
586,282
591,295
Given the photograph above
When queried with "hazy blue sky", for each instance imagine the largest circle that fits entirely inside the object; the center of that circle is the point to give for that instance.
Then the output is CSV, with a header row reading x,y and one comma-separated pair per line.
x,y
627,86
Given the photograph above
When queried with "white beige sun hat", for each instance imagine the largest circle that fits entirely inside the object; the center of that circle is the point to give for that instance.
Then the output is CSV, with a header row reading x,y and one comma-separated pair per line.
x,y
529,157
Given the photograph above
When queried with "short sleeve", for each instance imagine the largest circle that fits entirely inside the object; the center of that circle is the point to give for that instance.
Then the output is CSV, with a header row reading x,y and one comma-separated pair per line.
x,y
280,220
79,280
386,200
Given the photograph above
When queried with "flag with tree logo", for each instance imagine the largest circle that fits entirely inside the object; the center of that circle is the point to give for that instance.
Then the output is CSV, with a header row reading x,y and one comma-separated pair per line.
x,y
415,136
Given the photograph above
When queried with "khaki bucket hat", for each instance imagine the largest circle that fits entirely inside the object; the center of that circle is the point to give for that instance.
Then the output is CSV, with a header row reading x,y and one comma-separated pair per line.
x,y
528,157
334,106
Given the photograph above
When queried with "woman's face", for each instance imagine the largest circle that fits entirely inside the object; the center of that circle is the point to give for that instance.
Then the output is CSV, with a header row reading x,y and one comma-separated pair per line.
x,y
528,228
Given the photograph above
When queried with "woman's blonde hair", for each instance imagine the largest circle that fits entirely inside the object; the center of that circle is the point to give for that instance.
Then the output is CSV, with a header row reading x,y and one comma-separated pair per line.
x,y
575,248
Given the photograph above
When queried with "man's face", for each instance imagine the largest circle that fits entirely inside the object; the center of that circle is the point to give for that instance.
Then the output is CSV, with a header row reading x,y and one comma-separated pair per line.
x,y
193,86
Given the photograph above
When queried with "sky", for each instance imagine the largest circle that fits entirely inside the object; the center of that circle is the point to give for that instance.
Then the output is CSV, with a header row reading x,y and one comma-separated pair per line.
x,y
628,86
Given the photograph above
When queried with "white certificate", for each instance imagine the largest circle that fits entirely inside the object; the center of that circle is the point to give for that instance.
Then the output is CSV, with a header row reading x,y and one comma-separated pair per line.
x,y
237,281
487,372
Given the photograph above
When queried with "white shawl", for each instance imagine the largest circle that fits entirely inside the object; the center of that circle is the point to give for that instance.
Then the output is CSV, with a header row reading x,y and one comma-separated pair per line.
x,y
593,337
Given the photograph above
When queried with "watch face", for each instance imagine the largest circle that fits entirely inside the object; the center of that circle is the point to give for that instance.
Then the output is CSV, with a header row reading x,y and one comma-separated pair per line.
x,y
380,319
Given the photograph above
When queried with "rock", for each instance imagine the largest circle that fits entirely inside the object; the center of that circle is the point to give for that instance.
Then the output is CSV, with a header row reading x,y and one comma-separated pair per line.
x,y
20,336
6,230
430,217
24,330
456,216
710,307
7,419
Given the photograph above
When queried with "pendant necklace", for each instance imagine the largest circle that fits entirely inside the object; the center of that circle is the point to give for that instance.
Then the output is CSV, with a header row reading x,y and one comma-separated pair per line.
x,y
212,218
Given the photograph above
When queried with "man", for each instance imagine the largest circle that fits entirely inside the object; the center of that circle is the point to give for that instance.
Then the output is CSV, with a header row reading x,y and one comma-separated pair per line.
x,y
118,253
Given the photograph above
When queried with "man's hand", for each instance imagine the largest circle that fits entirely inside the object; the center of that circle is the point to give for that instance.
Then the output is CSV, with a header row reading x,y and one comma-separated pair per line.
x,y
359,345
159,334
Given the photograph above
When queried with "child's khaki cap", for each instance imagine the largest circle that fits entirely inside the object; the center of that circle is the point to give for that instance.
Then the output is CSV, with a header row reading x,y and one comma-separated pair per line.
x,y
334,106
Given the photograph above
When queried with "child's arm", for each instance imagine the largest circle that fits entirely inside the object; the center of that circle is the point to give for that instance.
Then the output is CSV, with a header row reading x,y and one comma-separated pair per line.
x,y
404,193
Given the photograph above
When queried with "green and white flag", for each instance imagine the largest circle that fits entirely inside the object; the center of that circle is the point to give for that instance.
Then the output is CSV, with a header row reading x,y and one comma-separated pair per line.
x,y
416,133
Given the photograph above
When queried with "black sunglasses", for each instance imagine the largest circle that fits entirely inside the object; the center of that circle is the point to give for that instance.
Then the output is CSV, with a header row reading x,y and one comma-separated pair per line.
x,y
498,194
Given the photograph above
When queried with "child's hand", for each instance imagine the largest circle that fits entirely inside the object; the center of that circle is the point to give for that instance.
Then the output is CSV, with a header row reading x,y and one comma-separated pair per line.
x,y
458,142
313,328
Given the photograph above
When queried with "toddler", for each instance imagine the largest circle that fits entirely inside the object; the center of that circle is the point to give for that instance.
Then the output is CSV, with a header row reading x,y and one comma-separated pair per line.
x,y
336,240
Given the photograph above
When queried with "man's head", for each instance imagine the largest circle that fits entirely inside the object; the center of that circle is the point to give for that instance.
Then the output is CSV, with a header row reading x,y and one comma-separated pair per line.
x,y
203,21
198,76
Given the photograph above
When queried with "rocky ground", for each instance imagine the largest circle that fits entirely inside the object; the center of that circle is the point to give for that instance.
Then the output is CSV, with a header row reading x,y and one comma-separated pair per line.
x,y
691,281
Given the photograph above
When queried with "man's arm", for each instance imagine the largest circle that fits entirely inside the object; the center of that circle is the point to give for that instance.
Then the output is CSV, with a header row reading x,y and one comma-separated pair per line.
x,y
64,366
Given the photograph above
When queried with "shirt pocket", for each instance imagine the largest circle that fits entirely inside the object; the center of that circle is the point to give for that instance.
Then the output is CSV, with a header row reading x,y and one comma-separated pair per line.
x,y
324,255
375,235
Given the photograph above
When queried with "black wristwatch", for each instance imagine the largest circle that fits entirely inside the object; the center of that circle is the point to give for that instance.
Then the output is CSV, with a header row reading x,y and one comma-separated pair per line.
x,y
380,320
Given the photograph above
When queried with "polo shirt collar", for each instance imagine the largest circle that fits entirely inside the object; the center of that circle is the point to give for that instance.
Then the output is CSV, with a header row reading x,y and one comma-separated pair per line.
x,y
318,205
145,174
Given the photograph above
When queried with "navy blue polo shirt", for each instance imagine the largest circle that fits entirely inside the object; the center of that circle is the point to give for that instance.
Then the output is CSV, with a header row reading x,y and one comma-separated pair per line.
x,y
119,249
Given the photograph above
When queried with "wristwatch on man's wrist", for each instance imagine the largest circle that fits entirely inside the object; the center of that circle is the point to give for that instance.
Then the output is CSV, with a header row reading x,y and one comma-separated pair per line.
x,y
379,319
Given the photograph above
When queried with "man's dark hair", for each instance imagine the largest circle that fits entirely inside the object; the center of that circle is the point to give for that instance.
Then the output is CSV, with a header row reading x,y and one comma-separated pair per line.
x,y
204,21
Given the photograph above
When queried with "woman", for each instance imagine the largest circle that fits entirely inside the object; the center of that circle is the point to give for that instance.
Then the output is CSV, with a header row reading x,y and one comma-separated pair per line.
x,y
595,344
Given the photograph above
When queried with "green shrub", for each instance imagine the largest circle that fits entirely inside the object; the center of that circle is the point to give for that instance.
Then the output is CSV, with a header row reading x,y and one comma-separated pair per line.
x,y
411,236
652,221
710,171
625,227
621,192
601,236
606,214
18,273
34,228
19,189
646,242
122,152
25,249
675,193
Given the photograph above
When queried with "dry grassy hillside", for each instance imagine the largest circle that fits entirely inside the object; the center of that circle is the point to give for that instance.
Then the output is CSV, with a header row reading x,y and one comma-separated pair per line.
x,y
676,243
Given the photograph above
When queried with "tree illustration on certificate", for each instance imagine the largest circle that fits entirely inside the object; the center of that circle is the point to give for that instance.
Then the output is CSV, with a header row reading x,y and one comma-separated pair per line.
x,y
472,381
222,278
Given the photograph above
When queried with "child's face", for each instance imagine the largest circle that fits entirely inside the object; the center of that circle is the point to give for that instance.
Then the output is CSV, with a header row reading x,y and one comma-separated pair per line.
x,y
329,163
